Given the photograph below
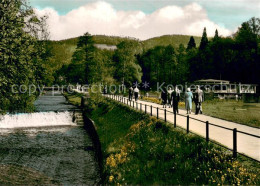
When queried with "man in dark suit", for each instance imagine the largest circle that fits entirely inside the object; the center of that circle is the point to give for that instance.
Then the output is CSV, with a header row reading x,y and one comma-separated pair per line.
x,y
175,97
130,92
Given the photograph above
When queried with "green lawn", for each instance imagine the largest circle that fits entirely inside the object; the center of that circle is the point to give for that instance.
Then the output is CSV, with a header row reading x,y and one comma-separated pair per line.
x,y
236,111
244,113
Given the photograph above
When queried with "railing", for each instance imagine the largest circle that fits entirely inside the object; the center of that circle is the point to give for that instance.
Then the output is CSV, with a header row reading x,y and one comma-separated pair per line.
x,y
131,103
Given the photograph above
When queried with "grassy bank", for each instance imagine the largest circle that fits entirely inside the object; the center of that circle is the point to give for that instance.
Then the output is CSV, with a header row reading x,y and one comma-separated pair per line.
x,y
244,113
138,149
239,112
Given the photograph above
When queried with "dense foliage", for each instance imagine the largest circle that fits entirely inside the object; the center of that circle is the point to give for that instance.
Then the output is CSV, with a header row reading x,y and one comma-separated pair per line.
x,y
91,65
233,58
127,68
164,64
22,55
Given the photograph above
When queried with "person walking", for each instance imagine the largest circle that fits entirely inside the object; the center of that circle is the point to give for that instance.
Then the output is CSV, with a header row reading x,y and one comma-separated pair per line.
x,y
169,97
196,101
130,92
136,93
188,100
175,97
200,99
164,97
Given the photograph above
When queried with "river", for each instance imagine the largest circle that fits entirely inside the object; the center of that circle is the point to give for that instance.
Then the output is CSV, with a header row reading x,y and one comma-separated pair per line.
x,y
49,142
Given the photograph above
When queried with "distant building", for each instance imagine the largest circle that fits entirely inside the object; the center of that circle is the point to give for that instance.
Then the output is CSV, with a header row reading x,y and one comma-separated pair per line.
x,y
225,87
105,46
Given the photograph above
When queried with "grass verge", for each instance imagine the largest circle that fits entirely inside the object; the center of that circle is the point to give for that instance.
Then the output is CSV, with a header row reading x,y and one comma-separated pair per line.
x,y
138,149
236,111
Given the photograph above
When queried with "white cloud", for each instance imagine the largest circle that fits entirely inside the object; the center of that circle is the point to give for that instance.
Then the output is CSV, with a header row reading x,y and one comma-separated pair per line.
x,y
102,18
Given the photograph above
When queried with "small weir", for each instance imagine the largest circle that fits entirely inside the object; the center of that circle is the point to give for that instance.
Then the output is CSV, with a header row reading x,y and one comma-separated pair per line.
x,y
40,119
49,142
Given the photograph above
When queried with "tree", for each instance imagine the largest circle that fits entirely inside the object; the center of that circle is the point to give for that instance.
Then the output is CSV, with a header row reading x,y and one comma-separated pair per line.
x,y
182,69
254,24
80,69
127,69
191,43
204,40
248,34
21,53
247,47
89,64
216,37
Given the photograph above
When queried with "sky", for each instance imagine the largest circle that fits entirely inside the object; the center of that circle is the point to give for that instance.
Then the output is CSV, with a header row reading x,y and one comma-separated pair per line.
x,y
144,19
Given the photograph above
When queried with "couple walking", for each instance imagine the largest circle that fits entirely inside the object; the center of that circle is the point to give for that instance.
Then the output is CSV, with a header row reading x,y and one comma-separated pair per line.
x,y
172,97
198,98
134,92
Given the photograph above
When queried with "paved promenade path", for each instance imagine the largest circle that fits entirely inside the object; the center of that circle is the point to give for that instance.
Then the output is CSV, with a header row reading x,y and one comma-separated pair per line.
x,y
246,144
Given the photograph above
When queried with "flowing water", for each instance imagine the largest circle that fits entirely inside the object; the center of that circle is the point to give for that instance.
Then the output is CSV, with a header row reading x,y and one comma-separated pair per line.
x,y
49,142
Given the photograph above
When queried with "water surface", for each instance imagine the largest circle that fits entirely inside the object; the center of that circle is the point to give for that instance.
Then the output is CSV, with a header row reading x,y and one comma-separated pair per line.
x,y
49,142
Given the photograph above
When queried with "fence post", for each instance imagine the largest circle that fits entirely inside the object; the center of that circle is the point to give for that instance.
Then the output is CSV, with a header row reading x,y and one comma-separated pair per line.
x,y
207,131
151,110
165,118
174,120
133,104
136,105
145,109
140,106
127,101
188,123
157,113
235,142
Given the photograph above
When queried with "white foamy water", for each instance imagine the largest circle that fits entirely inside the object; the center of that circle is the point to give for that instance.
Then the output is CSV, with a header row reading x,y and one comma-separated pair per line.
x,y
40,119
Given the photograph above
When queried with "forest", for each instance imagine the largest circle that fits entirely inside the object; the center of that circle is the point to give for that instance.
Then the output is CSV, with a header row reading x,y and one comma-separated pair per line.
x,y
235,58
